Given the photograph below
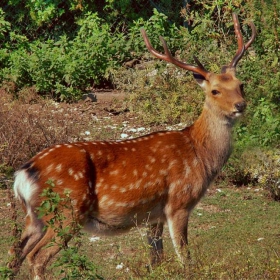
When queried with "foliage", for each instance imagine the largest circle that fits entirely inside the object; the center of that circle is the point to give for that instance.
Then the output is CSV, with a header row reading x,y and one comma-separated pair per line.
x,y
6,273
159,96
74,265
5,26
71,263
264,166
157,25
66,68
263,129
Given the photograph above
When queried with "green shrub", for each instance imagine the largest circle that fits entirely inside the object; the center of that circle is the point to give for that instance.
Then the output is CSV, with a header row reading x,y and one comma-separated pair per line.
x,y
263,167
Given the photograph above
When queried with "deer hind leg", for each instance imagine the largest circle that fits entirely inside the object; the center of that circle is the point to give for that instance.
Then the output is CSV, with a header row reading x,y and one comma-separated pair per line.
x,y
42,253
31,235
178,229
154,235
50,244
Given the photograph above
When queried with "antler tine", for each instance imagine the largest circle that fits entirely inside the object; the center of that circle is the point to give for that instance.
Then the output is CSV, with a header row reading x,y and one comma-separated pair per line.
x,y
169,58
254,34
198,63
241,47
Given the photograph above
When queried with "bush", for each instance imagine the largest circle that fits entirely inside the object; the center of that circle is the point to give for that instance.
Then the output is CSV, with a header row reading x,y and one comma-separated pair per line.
x,y
25,130
263,168
67,68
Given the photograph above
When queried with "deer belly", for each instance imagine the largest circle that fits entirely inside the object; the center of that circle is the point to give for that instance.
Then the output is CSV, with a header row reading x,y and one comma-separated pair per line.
x,y
116,221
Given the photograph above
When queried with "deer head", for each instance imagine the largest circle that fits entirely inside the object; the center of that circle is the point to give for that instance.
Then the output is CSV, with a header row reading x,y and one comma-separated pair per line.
x,y
222,88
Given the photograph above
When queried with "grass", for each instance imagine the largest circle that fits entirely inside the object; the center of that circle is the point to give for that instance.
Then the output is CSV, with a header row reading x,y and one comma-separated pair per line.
x,y
233,234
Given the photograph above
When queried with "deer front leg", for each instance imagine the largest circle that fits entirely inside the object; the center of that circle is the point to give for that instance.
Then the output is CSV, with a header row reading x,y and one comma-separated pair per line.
x,y
178,229
154,235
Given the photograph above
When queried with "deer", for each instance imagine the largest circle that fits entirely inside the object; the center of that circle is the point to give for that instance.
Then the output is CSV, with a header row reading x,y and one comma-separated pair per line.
x,y
114,185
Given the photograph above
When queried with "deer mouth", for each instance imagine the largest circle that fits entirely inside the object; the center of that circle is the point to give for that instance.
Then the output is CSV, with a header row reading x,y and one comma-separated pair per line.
x,y
236,114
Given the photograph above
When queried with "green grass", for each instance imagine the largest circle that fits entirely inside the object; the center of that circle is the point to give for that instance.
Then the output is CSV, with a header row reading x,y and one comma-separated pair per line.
x,y
234,233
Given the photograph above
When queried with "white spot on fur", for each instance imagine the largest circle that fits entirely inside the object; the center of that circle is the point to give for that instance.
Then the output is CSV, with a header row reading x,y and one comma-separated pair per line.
x,y
163,172
103,199
195,162
43,155
70,171
121,204
58,168
49,168
114,172
59,182
152,159
145,174
172,163
147,166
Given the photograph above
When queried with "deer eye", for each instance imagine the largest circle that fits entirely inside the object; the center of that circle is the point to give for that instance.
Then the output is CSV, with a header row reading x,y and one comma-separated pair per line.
x,y
215,92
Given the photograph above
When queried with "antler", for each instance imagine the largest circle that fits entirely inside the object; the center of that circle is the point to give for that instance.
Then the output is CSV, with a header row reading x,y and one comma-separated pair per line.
x,y
169,58
241,47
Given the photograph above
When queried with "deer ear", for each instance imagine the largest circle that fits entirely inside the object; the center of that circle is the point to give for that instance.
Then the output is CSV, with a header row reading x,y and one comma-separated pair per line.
x,y
199,79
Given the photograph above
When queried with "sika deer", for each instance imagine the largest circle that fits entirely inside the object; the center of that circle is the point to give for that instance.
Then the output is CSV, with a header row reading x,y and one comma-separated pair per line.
x,y
114,185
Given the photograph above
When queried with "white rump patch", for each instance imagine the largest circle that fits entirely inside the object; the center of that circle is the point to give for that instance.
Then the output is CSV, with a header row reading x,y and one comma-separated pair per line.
x,y
24,188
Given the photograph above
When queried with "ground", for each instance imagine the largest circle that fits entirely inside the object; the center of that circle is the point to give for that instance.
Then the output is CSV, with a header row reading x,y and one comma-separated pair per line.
x,y
234,232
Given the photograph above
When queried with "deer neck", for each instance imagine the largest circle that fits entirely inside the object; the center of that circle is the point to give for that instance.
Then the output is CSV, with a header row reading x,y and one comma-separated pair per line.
x,y
211,139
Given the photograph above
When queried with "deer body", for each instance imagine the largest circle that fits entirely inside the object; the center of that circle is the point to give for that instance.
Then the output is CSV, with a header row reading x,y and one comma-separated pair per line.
x,y
114,186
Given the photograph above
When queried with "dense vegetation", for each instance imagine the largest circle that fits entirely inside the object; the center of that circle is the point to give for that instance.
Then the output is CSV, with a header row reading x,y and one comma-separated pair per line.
x,y
64,48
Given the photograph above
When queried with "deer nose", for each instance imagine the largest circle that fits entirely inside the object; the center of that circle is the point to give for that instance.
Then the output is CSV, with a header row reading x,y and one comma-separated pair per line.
x,y
240,107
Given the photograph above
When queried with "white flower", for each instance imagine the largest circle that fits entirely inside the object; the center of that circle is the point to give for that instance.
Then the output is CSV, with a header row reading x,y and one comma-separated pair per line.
x,y
87,132
119,266
94,238
124,135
